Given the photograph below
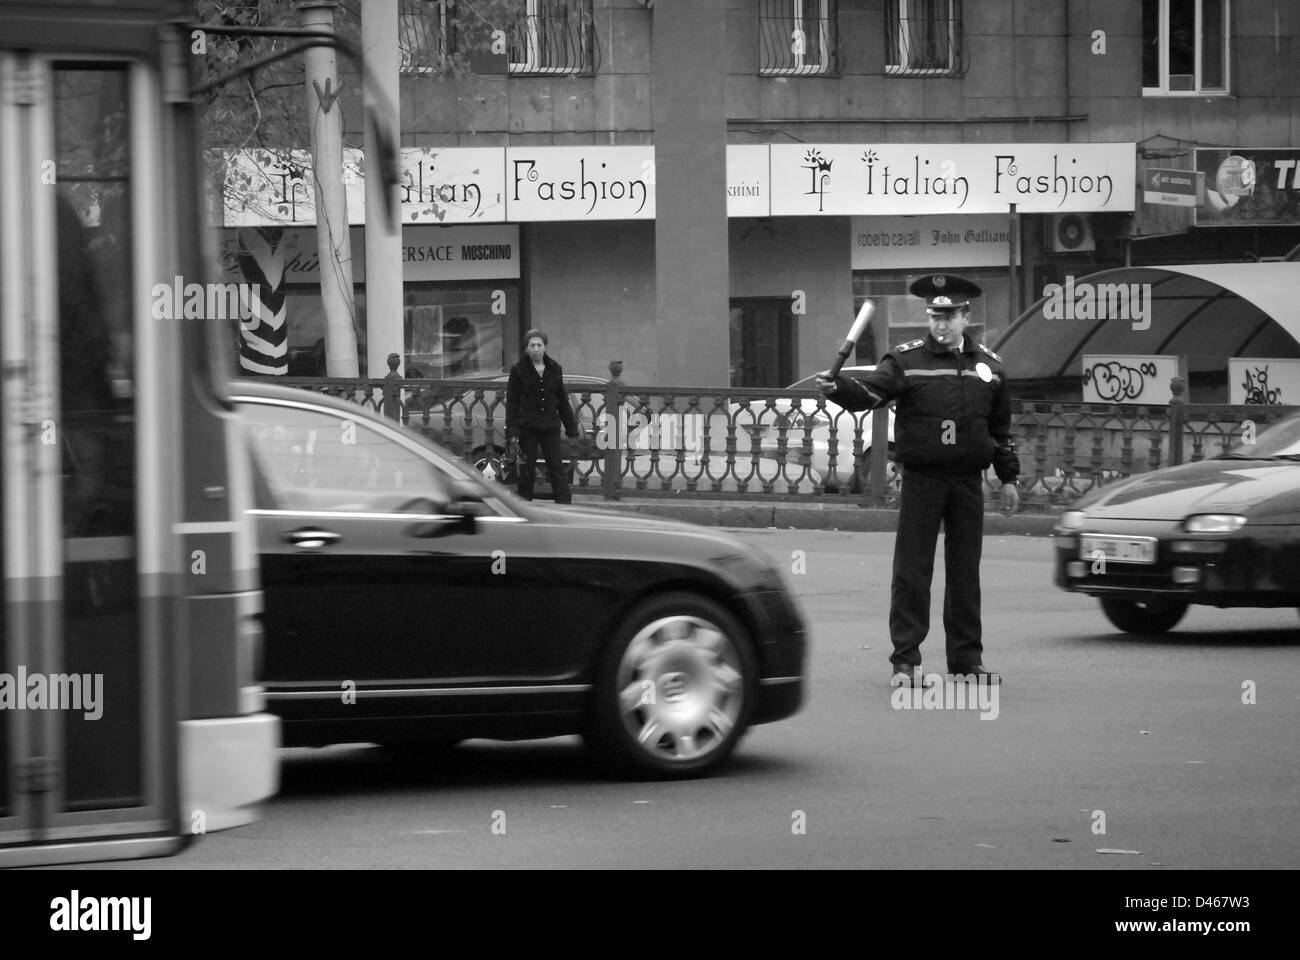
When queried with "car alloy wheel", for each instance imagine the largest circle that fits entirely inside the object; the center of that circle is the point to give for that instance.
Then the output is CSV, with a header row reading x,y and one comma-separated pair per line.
x,y
491,464
676,688
1153,615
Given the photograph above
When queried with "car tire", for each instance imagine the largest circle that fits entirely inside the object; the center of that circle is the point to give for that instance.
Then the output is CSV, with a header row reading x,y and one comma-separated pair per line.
x,y
1143,616
861,481
501,471
674,689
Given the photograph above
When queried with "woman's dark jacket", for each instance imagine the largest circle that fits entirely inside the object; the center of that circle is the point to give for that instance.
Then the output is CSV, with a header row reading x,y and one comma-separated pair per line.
x,y
538,403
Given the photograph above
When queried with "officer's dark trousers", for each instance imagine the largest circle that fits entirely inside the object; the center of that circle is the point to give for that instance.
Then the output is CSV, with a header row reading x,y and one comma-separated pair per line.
x,y
928,498
549,442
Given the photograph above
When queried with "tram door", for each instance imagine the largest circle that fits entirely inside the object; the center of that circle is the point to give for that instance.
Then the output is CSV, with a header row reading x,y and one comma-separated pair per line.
x,y
85,768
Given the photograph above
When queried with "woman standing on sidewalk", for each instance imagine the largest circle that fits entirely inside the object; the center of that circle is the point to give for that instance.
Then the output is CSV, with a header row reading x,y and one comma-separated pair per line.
x,y
537,403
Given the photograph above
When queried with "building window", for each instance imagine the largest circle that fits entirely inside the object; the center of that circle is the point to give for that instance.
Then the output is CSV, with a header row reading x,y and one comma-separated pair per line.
x,y
796,37
426,36
1184,47
552,38
924,37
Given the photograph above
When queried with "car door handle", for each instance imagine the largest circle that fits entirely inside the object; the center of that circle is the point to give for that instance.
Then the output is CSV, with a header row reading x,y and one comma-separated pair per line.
x,y
310,537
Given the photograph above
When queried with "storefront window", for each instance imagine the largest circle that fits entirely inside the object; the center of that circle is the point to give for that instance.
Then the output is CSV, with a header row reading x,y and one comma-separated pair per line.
x,y
455,330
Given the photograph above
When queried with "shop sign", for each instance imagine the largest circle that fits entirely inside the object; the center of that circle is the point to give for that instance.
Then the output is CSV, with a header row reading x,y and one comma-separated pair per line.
x,y
580,183
894,179
488,252
1249,187
748,193
894,243
443,186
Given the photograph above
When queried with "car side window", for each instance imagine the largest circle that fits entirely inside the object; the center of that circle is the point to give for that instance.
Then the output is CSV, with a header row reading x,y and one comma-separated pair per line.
x,y
316,460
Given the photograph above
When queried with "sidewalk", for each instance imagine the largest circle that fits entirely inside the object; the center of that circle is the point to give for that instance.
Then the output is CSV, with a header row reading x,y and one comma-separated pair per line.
x,y
801,516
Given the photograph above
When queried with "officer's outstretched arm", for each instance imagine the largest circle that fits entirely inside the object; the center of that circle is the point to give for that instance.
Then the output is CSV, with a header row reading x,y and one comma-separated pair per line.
x,y
876,389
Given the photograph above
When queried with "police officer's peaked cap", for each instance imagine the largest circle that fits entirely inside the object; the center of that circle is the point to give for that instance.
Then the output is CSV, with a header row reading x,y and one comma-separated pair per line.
x,y
944,291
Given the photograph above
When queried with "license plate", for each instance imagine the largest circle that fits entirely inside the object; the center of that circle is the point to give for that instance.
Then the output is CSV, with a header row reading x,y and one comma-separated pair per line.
x,y
1119,549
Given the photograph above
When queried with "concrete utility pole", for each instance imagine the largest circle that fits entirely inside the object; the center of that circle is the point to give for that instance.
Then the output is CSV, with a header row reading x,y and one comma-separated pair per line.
x,y
384,326
692,279
325,123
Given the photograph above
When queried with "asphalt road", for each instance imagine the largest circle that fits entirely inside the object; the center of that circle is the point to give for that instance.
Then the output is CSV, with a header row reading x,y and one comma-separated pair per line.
x,y
1105,753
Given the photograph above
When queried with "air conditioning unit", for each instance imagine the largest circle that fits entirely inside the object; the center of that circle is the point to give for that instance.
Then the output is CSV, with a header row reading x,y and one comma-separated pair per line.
x,y
1069,233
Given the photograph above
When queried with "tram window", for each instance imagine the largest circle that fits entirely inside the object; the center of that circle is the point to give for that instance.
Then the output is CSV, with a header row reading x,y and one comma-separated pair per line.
x,y
318,462
95,302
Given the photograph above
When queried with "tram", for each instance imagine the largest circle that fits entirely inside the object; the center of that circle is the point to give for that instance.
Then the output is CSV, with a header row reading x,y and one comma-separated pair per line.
x,y
130,716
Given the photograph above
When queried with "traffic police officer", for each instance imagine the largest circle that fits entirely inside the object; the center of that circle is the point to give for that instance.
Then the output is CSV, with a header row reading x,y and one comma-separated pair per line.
x,y
953,419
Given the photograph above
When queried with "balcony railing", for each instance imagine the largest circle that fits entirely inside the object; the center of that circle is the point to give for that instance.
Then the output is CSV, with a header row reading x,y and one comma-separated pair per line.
x,y
731,443
797,38
556,42
924,44
543,38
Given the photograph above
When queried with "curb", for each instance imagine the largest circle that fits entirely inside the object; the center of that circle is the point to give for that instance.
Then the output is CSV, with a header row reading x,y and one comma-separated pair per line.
x,y
811,516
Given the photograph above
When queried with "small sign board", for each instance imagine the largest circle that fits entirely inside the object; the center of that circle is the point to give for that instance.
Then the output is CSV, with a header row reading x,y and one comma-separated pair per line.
x,y
1252,380
1130,379
1174,188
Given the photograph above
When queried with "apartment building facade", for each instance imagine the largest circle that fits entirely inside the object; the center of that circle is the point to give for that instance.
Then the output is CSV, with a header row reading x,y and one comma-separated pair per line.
x,y
708,189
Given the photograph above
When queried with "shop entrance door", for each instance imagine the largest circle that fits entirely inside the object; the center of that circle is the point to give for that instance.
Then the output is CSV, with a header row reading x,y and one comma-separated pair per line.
x,y
762,342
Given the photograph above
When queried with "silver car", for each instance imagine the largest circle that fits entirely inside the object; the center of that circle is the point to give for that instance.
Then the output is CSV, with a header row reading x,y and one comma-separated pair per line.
x,y
797,419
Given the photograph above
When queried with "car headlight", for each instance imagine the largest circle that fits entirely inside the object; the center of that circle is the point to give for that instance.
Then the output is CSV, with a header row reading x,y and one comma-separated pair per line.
x,y
1071,520
1214,523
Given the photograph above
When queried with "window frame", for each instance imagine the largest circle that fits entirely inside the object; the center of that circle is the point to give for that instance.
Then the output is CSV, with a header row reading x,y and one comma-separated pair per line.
x,y
436,37
536,64
1161,41
801,67
898,12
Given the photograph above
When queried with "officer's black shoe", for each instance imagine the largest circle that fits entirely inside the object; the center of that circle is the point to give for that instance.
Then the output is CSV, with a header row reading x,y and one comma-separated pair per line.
x,y
978,674
905,676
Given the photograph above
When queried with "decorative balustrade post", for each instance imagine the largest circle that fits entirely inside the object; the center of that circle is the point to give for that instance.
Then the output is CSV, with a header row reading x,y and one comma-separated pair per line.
x,y
1177,416
612,432
392,403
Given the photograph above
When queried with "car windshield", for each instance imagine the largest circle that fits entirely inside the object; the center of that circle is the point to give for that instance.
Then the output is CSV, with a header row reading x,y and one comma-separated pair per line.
x,y
1279,442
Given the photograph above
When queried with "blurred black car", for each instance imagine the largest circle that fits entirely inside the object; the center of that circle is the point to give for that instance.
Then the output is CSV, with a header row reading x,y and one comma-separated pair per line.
x,y
1222,532
408,600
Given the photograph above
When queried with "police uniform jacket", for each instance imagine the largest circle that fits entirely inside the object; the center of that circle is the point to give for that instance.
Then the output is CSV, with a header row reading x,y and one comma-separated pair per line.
x,y
538,402
953,411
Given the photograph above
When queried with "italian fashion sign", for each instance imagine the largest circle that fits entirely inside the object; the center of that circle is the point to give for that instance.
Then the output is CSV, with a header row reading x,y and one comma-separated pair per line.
x,y
909,179
522,184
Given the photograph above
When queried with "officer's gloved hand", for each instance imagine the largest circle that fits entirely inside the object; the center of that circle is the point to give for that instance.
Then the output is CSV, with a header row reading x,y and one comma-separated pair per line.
x,y
825,384
1010,499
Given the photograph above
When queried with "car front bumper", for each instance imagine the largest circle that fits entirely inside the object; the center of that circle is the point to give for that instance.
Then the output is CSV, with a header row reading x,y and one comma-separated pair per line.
x,y
783,641
1256,566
